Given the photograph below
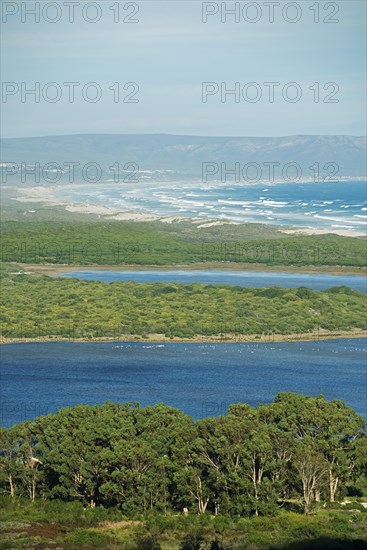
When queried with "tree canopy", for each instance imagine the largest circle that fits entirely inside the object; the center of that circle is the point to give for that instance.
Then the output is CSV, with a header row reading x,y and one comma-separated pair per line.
x,y
244,463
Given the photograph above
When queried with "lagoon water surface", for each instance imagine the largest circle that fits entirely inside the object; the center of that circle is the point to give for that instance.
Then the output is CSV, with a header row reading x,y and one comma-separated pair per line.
x,y
257,279
200,379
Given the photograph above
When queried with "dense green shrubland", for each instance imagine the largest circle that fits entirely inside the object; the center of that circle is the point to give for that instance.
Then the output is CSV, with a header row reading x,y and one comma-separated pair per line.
x,y
157,243
43,306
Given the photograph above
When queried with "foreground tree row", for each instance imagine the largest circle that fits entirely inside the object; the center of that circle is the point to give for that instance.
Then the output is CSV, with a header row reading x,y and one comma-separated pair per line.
x,y
248,462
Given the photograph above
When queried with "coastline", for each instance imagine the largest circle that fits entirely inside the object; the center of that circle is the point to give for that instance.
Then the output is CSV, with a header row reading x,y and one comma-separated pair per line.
x,y
46,195
315,336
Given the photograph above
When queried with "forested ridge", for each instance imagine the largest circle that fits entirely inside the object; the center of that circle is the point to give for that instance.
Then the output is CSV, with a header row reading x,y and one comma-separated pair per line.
x,y
36,307
157,243
298,453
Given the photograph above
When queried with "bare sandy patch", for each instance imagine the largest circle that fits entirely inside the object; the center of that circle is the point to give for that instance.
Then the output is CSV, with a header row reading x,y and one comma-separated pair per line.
x,y
311,231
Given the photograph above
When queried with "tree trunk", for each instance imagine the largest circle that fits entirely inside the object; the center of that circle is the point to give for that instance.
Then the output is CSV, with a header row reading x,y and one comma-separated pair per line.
x,y
11,485
333,485
307,497
32,489
256,480
202,503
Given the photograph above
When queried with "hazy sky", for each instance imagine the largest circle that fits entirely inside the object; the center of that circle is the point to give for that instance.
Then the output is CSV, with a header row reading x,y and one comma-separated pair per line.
x,y
169,53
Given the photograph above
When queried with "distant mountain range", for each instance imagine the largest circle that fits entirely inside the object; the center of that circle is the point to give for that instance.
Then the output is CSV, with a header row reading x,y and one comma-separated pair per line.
x,y
177,157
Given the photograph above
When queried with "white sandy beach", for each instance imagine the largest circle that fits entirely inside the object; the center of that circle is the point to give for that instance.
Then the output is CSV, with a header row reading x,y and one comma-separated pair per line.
x,y
47,195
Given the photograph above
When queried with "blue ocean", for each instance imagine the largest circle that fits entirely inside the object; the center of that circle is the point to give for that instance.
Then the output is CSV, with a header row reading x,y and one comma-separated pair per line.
x,y
325,205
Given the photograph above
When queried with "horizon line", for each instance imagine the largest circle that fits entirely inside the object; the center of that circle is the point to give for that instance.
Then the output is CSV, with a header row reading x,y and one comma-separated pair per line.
x,y
182,135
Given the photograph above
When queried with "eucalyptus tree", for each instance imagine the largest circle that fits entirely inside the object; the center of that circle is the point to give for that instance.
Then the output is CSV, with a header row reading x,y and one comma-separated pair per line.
x,y
331,427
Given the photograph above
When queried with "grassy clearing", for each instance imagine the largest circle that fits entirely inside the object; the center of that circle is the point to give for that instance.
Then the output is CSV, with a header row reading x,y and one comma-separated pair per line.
x,y
64,525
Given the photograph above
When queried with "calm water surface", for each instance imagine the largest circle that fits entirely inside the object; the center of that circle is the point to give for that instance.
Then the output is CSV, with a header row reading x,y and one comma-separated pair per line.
x,y
255,279
200,379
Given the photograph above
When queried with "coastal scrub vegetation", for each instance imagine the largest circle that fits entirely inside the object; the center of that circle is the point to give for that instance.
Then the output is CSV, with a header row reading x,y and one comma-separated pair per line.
x,y
35,307
158,243
119,475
